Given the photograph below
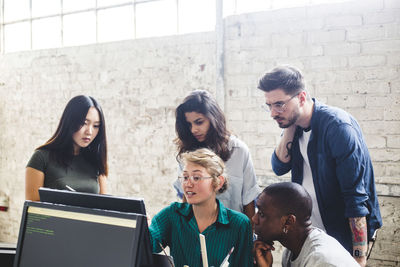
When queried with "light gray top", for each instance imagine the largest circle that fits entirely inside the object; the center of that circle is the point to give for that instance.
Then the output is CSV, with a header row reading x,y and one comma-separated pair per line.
x,y
320,250
242,181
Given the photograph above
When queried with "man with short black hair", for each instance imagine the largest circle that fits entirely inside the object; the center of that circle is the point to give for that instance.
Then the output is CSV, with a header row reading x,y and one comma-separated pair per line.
x,y
284,211
325,151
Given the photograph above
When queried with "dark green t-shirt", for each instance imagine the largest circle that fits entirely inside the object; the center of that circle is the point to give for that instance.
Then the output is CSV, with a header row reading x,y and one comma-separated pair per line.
x,y
80,175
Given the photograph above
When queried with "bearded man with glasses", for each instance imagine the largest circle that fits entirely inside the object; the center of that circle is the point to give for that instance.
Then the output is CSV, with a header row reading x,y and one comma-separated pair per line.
x,y
325,151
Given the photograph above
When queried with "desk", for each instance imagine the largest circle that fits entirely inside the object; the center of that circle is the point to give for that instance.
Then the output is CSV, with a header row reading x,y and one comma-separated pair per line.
x,y
7,254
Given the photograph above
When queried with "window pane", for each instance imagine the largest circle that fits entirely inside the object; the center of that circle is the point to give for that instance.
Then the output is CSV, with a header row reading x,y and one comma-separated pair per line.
x,y
15,10
289,3
196,16
79,28
74,5
46,33
115,24
17,37
45,7
101,3
156,18
229,7
244,6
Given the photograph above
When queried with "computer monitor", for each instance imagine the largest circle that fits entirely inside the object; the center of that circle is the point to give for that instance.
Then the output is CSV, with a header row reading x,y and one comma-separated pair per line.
x,y
64,236
7,257
94,201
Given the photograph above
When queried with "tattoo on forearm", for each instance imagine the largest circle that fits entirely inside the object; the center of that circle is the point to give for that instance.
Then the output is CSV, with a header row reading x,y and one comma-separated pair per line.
x,y
289,149
358,227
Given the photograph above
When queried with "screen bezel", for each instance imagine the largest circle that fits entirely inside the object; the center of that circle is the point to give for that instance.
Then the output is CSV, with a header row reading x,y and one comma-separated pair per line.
x,y
94,201
141,250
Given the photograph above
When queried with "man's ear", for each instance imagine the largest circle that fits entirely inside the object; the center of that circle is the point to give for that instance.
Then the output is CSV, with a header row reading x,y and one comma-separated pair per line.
x,y
302,97
289,220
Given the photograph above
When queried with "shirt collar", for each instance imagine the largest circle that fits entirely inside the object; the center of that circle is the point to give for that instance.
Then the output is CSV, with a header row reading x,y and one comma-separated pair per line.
x,y
185,209
314,117
222,214
317,108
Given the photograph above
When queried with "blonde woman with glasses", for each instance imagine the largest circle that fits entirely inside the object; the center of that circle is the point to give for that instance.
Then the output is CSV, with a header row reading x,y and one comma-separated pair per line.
x,y
178,226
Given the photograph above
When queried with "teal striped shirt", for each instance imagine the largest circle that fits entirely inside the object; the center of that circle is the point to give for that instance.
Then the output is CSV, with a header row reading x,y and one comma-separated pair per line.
x,y
175,226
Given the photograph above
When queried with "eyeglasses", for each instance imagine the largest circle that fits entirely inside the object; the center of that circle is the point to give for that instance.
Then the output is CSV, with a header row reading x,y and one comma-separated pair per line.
x,y
193,179
279,107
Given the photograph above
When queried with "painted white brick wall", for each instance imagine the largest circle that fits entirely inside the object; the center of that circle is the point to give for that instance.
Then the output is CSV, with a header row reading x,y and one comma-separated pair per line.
x,y
349,53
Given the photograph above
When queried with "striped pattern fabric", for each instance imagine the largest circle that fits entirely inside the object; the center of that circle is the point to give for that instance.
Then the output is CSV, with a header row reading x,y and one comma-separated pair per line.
x,y
176,227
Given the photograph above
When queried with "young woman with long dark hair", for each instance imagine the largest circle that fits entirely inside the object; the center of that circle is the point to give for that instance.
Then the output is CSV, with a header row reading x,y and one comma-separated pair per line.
x,y
75,157
201,123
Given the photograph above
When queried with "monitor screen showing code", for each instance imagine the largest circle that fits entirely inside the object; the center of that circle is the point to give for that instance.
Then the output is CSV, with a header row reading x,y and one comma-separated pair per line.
x,y
54,237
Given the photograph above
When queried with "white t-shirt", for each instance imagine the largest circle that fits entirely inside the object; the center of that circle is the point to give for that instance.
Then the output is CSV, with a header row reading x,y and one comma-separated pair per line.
x,y
308,182
242,182
320,250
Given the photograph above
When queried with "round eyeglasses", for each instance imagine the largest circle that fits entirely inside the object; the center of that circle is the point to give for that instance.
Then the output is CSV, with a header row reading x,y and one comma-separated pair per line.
x,y
279,106
192,179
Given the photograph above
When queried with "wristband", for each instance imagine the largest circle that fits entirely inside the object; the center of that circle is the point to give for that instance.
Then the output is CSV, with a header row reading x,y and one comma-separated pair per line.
x,y
358,253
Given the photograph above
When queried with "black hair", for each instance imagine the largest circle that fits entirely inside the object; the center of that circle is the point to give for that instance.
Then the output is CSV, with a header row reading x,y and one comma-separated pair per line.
x,y
290,198
73,118
287,78
217,138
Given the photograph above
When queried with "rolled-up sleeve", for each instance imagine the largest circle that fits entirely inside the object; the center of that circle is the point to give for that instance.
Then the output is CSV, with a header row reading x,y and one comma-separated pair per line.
x,y
279,167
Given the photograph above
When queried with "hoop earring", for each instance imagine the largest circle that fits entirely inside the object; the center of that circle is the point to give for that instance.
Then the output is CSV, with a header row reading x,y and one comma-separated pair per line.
x,y
285,230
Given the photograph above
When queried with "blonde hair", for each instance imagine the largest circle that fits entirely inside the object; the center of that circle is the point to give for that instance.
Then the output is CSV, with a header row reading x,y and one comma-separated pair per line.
x,y
211,162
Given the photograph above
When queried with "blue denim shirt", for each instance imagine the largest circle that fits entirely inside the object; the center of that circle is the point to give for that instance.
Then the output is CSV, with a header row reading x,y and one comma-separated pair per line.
x,y
342,172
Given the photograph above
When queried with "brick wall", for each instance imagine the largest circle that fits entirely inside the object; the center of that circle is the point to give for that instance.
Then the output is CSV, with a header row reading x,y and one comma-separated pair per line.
x,y
349,53
350,56
138,84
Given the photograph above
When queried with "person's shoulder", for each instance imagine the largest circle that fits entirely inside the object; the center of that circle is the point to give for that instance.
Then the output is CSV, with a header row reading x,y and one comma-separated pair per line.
x,y
324,250
319,236
317,241
42,151
237,144
173,210
182,208
329,114
39,159
41,154
324,259
237,217
176,205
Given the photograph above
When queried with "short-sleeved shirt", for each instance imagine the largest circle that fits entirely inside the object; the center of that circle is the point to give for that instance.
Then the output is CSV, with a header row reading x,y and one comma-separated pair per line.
x,y
320,250
242,181
176,227
80,175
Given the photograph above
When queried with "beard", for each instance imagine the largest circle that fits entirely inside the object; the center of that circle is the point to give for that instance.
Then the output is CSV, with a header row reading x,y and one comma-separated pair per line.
x,y
290,120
